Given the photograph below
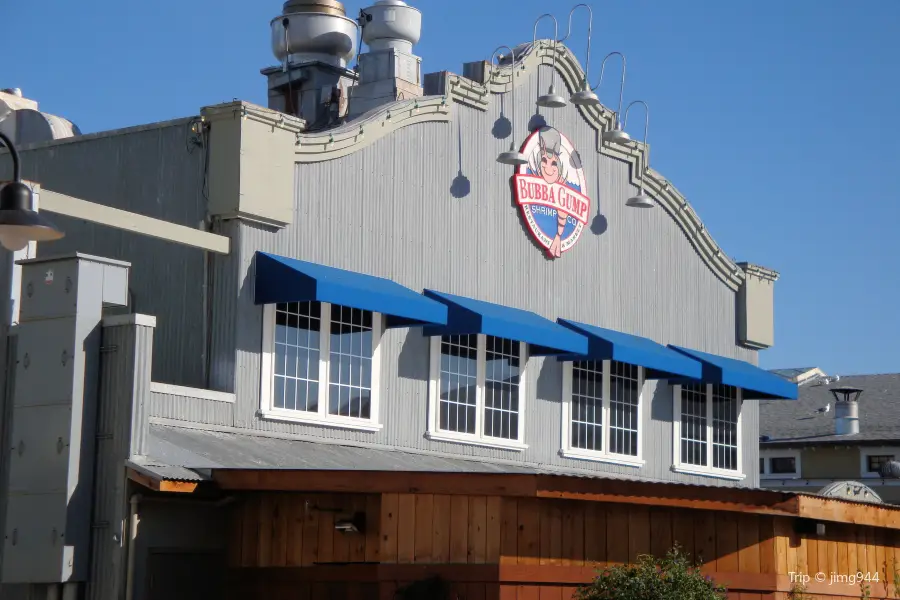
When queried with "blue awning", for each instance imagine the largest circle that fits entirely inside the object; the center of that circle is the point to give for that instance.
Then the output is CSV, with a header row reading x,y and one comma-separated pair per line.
x,y
758,384
660,362
467,316
281,279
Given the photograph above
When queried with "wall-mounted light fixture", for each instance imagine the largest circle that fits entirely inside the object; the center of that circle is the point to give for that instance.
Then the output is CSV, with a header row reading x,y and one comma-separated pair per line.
x,y
585,96
809,527
356,524
642,200
616,135
19,224
551,99
511,156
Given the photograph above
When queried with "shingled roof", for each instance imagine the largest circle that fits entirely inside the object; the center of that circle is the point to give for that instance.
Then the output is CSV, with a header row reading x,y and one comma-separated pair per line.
x,y
798,423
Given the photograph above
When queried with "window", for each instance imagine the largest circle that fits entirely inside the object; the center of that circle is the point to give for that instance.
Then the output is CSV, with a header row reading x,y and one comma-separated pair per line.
x,y
477,391
320,364
708,430
872,460
601,412
779,464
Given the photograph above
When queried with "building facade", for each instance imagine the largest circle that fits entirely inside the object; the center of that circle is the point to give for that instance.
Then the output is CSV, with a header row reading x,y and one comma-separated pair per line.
x,y
841,429
312,320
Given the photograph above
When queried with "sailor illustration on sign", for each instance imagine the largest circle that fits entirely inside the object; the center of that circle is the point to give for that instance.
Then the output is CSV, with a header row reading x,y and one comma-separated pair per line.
x,y
550,190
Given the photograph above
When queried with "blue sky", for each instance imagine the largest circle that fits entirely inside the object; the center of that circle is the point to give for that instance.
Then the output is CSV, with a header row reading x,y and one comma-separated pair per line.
x,y
778,119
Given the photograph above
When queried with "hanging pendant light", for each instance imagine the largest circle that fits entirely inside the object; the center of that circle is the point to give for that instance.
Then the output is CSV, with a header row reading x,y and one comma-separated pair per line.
x,y
616,135
585,96
551,99
512,156
642,200
19,224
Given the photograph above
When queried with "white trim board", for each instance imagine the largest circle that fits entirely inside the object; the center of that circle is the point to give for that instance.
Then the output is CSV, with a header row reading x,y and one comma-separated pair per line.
x,y
189,392
92,212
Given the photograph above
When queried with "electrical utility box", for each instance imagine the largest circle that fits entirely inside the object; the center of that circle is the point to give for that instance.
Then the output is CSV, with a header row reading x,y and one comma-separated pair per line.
x,y
48,519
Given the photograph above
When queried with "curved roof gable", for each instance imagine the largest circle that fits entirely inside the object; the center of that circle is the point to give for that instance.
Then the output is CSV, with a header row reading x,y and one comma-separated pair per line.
x,y
353,136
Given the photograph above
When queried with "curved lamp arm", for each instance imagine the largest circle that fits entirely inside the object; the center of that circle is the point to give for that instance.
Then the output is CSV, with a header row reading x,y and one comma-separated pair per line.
x,y
17,173
555,35
621,84
512,75
587,66
646,127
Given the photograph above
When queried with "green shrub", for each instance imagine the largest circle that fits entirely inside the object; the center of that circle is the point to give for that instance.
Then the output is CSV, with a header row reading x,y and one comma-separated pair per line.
x,y
671,578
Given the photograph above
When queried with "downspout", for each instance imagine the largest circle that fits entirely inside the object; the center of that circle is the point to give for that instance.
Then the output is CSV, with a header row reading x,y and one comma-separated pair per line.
x,y
133,521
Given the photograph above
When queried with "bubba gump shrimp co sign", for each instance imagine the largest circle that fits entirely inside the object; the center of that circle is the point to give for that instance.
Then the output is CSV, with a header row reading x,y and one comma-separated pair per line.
x,y
550,190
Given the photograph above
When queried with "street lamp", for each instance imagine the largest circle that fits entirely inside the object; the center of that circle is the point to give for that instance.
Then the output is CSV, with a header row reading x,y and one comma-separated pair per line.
x,y
19,224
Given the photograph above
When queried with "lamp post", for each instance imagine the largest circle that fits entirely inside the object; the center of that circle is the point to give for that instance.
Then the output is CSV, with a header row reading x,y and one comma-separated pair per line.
x,y
19,224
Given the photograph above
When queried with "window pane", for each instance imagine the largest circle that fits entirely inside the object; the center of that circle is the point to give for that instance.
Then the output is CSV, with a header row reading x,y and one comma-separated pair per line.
x,y
724,425
693,425
501,388
783,464
296,356
876,461
350,359
456,410
587,405
762,466
624,391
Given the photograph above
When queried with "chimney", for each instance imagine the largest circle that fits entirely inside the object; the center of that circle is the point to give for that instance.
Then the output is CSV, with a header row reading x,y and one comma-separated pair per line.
x,y
846,410
312,40
389,71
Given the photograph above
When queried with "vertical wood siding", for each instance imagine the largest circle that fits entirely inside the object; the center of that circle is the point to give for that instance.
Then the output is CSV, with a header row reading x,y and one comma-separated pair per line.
x,y
544,539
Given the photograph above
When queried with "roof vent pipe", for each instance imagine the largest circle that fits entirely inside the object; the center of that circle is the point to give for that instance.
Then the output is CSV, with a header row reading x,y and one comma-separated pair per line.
x,y
391,24
846,410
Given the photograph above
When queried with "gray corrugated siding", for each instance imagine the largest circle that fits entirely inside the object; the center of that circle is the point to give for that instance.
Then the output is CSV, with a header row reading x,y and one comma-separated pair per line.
x,y
148,171
9,357
387,210
197,410
124,383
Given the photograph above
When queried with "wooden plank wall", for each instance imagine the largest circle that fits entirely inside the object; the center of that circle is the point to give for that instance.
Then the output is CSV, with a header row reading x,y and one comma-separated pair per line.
x,y
845,549
297,530
538,538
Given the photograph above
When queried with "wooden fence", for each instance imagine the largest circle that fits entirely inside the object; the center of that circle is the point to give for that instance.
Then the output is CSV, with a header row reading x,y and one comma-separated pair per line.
x,y
285,545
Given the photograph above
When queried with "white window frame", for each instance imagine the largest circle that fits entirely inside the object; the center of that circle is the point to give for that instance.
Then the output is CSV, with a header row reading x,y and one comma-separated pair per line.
x,y
436,434
768,455
605,456
707,471
864,454
267,376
